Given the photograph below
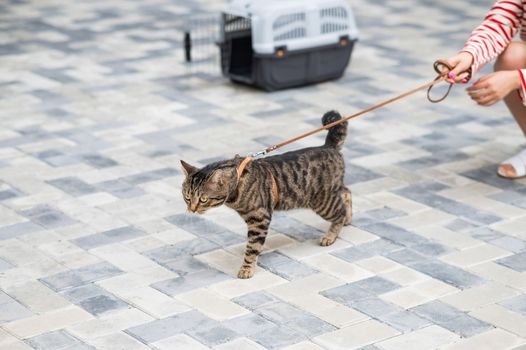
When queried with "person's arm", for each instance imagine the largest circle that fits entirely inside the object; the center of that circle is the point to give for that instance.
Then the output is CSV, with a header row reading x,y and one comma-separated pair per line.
x,y
488,40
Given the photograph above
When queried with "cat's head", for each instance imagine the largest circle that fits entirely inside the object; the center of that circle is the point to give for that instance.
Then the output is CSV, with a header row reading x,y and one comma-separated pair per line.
x,y
208,187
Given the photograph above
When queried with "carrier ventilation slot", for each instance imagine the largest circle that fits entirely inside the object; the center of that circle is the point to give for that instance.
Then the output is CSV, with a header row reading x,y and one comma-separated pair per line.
x,y
334,19
290,26
333,12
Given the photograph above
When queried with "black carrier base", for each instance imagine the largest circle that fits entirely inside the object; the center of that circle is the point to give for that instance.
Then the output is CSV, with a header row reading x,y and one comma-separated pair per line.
x,y
285,69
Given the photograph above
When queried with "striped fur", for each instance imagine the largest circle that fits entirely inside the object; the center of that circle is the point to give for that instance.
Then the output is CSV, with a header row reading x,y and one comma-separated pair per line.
x,y
307,178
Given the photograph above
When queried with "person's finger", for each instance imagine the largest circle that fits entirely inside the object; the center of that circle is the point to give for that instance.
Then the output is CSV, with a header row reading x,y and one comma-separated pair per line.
x,y
457,71
464,75
451,62
480,94
485,101
478,85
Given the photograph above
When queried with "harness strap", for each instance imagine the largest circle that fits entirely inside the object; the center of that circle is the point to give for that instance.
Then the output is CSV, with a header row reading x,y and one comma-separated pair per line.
x,y
275,192
243,165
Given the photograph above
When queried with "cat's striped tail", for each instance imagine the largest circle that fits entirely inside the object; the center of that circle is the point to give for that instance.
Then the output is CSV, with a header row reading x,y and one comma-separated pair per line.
x,y
336,136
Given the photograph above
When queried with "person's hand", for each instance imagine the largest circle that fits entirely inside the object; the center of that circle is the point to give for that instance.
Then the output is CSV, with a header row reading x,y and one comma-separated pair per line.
x,y
460,64
494,87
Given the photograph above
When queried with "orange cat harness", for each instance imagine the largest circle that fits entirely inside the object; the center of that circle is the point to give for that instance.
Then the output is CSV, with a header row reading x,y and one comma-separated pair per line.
x,y
275,192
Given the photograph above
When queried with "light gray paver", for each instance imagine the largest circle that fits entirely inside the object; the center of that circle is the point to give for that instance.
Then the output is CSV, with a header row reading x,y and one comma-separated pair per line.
x,y
97,108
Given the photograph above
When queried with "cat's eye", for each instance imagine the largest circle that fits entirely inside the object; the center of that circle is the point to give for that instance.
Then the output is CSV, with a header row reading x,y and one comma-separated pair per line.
x,y
203,199
187,196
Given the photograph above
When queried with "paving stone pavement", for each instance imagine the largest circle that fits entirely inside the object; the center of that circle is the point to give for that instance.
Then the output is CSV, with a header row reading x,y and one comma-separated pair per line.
x,y
97,252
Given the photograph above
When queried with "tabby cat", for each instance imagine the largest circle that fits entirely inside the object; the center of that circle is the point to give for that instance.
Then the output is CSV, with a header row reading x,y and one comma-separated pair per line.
x,y
306,178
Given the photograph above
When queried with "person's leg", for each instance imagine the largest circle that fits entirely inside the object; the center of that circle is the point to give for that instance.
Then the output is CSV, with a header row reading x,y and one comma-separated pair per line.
x,y
514,57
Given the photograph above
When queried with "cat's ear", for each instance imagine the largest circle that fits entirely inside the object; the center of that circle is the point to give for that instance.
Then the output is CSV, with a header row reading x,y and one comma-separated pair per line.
x,y
221,177
187,168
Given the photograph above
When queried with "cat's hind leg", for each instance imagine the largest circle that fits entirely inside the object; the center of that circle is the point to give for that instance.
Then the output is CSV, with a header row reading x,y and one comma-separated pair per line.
x,y
347,199
334,210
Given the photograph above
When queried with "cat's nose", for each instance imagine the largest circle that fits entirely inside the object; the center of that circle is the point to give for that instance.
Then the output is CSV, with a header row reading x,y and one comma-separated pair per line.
x,y
193,208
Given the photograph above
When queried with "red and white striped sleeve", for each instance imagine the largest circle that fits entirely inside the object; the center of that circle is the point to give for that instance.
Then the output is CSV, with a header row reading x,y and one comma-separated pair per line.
x,y
494,34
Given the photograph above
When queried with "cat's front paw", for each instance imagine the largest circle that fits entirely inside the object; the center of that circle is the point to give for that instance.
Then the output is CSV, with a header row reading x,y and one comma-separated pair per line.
x,y
327,240
246,272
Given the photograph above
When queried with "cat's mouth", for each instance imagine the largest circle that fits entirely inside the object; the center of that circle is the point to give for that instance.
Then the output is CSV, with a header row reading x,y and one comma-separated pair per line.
x,y
197,211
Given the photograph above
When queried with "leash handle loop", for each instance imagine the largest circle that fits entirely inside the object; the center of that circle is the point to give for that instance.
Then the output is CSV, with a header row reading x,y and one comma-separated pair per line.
x,y
442,68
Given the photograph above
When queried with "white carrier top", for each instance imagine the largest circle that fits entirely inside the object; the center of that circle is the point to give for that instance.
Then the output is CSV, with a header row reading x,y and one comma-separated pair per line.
x,y
296,24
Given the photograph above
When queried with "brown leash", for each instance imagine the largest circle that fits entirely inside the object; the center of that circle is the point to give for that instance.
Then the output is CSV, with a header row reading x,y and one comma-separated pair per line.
x,y
441,67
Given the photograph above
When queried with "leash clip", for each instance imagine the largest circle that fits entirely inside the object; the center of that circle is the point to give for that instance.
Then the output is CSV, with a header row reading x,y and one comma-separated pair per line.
x,y
259,153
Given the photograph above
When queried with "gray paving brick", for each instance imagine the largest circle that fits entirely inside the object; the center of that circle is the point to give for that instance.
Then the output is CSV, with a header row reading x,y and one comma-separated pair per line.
x,y
451,318
255,299
8,194
450,206
280,312
98,161
294,228
119,189
375,307
347,294
214,335
366,250
376,285
172,252
57,340
19,229
466,326
407,256
284,266
395,234
278,337
248,324
185,265
4,298
310,325
148,176
359,174
515,198
48,217
190,281
460,225
437,311
431,249
72,186
206,229
159,329
94,299
485,234
516,262
516,304
510,243
108,237
404,321
385,213
81,276
5,265
12,310
448,274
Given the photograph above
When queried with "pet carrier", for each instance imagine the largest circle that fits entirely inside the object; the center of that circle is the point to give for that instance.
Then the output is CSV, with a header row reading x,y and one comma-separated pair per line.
x,y
276,44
